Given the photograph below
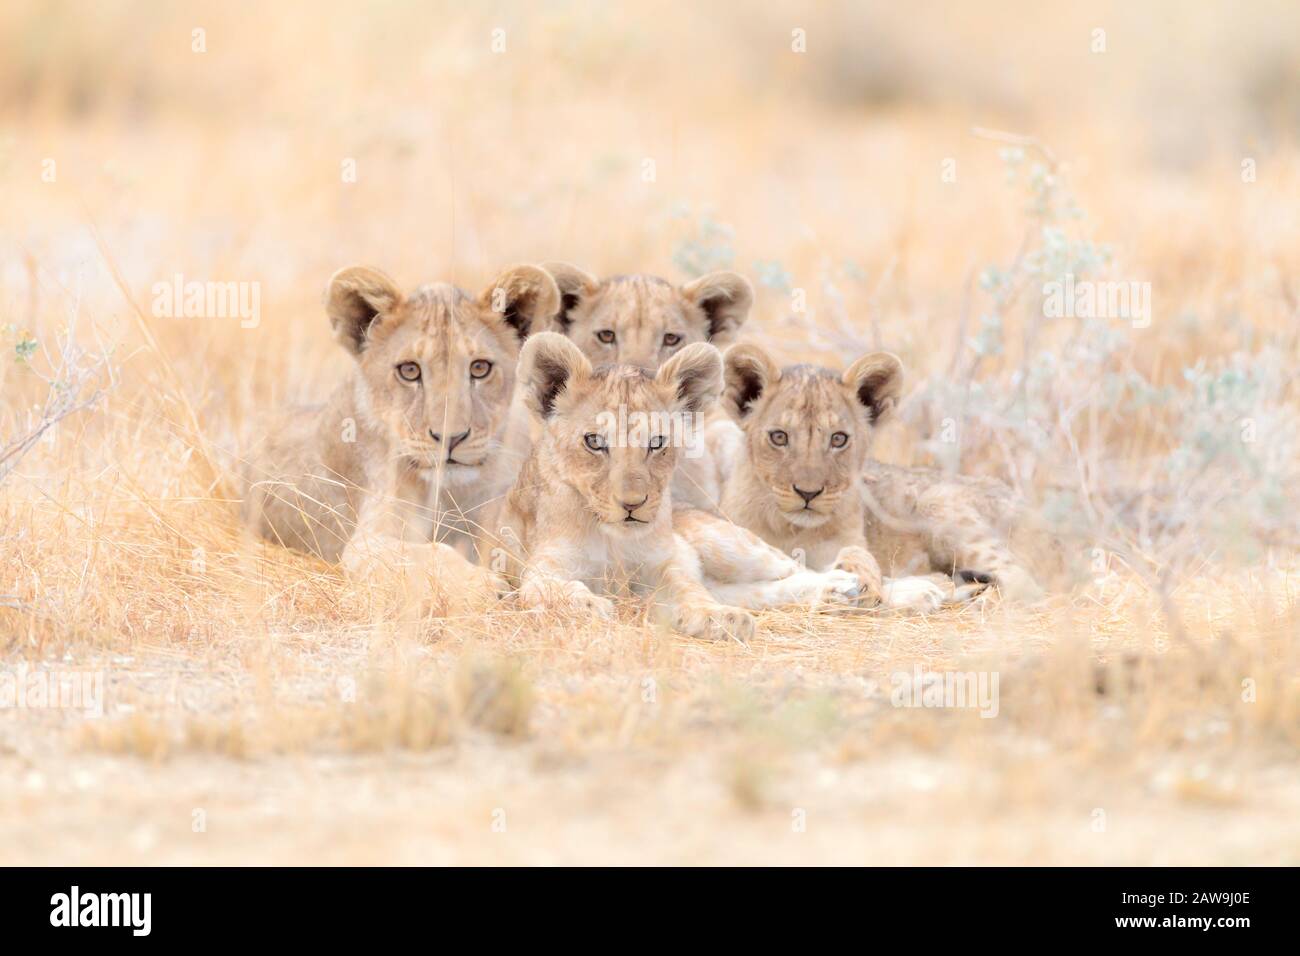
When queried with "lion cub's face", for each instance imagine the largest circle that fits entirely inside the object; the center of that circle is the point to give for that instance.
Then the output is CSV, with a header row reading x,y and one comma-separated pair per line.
x,y
437,368
643,320
613,434
808,429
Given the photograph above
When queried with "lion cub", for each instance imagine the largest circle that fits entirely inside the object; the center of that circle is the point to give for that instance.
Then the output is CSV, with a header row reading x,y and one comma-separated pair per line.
x,y
592,507
644,320
802,479
418,438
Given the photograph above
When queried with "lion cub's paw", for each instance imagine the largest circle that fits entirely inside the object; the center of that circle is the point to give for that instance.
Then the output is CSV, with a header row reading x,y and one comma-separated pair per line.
x,y
1017,584
840,587
809,588
460,577
490,584
913,594
968,593
565,597
965,587
868,580
579,599
594,604
859,562
714,622
462,590
388,556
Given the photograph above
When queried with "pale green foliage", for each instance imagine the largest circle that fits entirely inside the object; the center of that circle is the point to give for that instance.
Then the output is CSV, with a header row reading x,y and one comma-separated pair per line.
x,y
709,246
1226,481
24,344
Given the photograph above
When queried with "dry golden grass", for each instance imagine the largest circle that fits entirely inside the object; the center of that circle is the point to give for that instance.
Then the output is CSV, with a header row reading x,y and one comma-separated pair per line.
x,y
258,708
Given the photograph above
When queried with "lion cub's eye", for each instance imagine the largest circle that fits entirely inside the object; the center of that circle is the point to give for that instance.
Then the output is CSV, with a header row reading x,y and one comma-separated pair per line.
x,y
671,339
839,439
658,442
595,442
479,368
606,336
409,371
778,438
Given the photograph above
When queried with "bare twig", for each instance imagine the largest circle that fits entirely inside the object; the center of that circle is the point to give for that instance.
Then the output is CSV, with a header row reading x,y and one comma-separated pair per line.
x,y
73,387
1017,139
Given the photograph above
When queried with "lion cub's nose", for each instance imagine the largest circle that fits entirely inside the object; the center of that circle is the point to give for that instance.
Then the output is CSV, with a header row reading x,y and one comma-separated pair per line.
x,y
453,441
807,496
631,506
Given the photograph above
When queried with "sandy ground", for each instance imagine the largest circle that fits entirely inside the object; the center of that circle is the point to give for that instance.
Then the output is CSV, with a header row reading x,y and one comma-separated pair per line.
x,y
640,747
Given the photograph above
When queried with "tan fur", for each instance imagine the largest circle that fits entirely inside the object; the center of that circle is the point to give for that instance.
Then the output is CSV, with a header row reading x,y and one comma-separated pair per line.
x,y
789,418
803,407
580,520
643,311
921,518
647,320
388,466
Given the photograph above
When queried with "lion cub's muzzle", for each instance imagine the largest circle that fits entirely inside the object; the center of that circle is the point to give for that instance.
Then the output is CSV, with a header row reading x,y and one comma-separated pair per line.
x,y
630,513
807,506
634,510
450,452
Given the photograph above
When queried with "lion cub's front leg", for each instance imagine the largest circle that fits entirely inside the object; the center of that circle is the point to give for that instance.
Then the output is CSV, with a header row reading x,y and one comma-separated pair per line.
x,y
549,583
692,609
421,566
544,592
375,552
741,569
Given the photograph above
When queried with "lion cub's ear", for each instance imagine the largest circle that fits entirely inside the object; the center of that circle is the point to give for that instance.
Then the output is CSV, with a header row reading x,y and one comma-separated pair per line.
x,y
550,365
725,298
876,381
749,371
574,285
524,297
694,375
356,298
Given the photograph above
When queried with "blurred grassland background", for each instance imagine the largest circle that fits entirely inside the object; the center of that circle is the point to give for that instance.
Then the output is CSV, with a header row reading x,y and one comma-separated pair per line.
x,y
821,171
